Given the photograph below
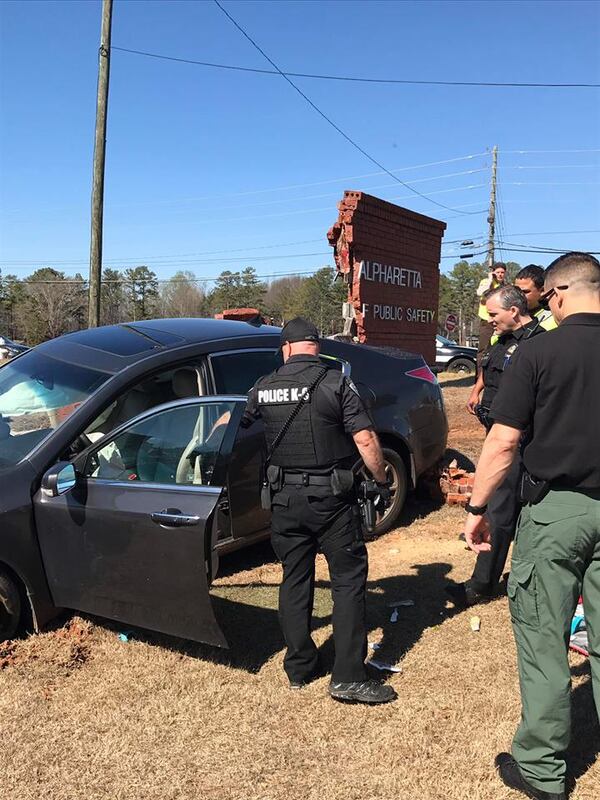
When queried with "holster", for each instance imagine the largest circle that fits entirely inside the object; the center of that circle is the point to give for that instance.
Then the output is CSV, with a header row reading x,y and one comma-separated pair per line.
x,y
532,490
272,482
342,482
483,415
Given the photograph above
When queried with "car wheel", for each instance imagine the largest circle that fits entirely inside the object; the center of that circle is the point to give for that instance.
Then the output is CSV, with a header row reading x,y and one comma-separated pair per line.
x,y
461,366
396,475
10,606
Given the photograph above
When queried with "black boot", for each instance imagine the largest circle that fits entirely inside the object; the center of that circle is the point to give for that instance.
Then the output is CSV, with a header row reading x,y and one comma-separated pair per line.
x,y
511,776
369,691
464,596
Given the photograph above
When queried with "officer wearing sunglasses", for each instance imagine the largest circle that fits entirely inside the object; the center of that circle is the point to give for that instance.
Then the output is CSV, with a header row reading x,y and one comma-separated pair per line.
x,y
552,387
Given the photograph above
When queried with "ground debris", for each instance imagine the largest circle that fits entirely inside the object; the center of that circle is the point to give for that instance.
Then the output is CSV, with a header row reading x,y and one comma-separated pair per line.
x,y
7,653
66,648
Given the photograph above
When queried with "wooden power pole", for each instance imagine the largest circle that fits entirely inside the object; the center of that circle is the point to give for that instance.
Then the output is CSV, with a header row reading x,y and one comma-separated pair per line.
x,y
98,177
492,212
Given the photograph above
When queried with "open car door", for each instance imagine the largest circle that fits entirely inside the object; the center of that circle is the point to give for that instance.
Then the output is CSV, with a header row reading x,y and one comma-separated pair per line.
x,y
127,531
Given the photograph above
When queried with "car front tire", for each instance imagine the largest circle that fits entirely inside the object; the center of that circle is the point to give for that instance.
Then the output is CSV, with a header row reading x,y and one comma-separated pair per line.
x,y
10,606
461,366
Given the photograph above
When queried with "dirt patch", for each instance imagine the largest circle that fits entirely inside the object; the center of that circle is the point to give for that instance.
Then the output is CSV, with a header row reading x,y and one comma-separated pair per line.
x,y
54,653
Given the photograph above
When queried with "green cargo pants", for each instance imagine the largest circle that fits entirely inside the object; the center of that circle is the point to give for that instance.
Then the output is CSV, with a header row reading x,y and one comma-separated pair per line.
x,y
556,557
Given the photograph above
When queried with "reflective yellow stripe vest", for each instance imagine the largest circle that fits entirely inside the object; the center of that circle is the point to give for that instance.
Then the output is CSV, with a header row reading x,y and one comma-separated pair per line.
x,y
547,322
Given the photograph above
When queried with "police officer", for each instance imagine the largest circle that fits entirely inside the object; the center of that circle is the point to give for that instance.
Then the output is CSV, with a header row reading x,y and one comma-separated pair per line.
x,y
530,280
314,507
552,388
507,308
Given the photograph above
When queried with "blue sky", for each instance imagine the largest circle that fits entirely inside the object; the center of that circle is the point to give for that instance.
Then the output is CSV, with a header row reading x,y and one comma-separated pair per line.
x,y
197,157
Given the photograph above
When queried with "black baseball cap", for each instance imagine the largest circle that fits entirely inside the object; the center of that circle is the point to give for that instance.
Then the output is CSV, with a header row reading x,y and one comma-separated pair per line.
x,y
299,330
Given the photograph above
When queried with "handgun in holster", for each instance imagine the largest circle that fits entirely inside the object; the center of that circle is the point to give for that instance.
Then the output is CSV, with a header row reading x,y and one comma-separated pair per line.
x,y
483,415
367,494
532,490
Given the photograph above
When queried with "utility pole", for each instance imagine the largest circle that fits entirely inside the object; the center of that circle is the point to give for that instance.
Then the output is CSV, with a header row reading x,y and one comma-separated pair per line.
x,y
98,176
492,212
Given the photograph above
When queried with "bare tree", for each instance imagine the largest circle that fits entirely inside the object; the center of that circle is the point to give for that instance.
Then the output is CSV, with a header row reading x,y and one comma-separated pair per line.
x,y
181,296
53,305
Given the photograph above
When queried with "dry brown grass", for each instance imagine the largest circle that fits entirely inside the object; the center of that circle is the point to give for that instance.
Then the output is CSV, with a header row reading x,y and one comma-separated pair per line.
x,y
84,715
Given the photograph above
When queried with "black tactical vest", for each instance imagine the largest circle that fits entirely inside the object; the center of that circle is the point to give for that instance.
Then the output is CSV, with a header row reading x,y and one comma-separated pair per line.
x,y
316,439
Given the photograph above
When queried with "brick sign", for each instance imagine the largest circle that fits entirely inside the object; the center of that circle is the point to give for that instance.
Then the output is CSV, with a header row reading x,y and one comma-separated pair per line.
x,y
389,257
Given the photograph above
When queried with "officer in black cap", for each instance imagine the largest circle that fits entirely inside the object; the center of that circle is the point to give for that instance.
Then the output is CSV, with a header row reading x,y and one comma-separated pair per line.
x,y
310,488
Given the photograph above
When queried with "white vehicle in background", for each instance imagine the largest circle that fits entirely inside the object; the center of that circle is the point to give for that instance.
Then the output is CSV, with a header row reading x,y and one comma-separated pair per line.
x,y
10,349
452,357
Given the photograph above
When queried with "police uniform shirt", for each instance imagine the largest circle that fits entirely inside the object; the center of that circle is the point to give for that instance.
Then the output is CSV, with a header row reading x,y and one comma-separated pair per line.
x,y
499,355
320,436
553,385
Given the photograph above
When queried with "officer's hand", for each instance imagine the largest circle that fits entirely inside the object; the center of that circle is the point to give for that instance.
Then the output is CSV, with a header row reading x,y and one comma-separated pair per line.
x,y
477,533
384,498
472,402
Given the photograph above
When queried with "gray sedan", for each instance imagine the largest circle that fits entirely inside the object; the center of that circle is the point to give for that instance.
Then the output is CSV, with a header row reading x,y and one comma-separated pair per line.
x,y
120,483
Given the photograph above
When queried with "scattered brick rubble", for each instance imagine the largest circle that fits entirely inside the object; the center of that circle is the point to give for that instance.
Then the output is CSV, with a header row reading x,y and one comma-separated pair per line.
x,y
456,484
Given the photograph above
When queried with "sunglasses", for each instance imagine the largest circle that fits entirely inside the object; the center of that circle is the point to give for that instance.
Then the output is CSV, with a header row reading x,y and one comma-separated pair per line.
x,y
547,296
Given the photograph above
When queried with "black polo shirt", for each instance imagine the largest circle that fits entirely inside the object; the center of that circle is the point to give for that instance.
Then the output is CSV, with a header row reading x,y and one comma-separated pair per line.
x,y
553,385
498,356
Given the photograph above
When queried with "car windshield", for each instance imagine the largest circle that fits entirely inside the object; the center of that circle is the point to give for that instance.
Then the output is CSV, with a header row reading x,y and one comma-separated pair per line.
x,y
443,340
37,394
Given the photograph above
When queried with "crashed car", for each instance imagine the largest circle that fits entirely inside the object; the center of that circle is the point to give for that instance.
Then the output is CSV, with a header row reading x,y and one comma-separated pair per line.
x,y
124,472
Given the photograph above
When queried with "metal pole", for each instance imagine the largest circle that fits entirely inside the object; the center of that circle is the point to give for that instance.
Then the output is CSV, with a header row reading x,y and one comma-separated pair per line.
x,y
492,212
98,176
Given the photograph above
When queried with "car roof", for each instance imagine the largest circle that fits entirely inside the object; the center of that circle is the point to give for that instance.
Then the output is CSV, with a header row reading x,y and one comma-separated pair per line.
x,y
201,329
111,347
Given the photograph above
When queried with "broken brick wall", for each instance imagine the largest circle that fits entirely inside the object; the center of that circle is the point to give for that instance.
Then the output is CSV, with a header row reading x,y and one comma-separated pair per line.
x,y
389,257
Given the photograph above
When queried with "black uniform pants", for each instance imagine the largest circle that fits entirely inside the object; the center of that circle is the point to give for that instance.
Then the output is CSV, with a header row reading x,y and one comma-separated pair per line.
x,y
503,513
307,519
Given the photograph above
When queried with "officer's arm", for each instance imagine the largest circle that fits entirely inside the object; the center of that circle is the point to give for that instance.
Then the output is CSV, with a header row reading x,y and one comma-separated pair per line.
x,y
252,410
498,453
475,392
369,448
496,457
485,285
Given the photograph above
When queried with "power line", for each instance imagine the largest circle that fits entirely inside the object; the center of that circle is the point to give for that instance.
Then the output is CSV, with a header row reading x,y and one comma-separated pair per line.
x,y
522,152
83,281
301,211
348,78
140,259
553,166
551,183
528,248
328,119
284,188
527,233
245,259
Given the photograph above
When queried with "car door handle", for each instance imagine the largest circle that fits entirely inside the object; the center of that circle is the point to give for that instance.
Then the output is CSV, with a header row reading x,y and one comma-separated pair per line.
x,y
173,518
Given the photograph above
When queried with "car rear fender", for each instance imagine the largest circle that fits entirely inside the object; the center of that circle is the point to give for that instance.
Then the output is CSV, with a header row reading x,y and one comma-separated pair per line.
x,y
397,443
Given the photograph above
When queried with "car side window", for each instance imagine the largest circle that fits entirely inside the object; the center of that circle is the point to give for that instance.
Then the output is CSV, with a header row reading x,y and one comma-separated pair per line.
x,y
161,387
237,372
179,445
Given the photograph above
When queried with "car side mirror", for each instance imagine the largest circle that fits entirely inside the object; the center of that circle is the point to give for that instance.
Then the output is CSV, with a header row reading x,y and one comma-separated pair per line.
x,y
59,479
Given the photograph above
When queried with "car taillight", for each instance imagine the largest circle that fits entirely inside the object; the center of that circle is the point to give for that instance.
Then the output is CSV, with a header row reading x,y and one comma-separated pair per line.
x,y
422,374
